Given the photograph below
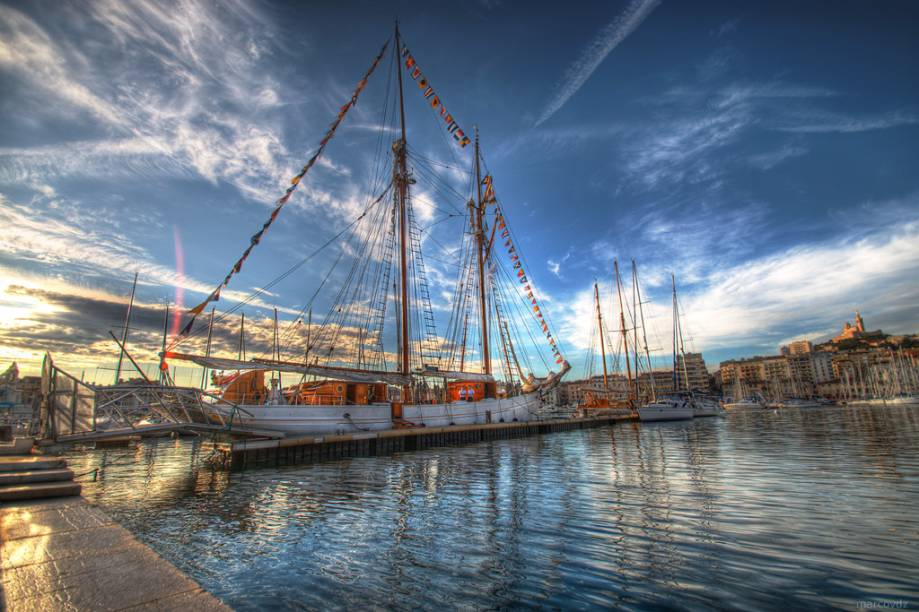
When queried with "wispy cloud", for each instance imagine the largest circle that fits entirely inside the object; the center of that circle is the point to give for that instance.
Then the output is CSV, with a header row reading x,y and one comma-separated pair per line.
x,y
608,39
832,122
771,159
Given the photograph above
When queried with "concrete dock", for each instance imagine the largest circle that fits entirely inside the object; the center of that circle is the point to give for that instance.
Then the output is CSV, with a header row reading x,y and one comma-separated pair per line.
x,y
65,554
246,454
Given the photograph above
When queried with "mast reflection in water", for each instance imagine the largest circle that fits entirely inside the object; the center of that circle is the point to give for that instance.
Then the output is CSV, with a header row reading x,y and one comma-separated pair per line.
x,y
760,509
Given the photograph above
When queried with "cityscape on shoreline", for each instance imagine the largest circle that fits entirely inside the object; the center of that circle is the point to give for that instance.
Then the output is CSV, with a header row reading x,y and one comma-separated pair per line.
x,y
856,363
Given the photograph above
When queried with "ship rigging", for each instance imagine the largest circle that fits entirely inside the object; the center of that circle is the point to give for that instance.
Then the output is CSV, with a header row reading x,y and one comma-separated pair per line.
x,y
499,352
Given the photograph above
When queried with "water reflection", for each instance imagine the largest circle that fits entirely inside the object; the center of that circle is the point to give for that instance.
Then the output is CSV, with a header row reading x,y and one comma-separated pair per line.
x,y
807,508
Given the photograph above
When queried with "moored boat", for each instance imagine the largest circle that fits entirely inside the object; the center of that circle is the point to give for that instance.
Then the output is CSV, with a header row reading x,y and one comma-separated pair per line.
x,y
356,372
674,408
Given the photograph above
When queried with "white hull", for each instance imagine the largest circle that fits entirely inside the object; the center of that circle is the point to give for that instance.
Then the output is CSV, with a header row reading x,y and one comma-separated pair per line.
x,y
520,408
332,420
895,401
801,404
733,405
655,412
903,401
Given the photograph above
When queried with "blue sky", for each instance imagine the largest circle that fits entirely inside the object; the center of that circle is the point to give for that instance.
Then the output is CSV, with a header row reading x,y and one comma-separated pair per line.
x,y
764,152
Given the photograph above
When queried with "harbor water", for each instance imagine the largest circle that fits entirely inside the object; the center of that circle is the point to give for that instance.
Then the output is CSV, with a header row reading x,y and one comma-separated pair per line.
x,y
796,508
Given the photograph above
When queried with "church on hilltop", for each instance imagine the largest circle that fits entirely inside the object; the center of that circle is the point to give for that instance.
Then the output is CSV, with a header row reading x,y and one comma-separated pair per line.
x,y
857,331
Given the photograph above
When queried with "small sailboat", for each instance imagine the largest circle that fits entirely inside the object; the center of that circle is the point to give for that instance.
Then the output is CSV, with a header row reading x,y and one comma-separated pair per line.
x,y
678,406
377,360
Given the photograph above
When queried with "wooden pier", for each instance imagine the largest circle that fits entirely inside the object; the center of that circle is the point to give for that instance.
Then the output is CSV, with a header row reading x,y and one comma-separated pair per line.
x,y
247,454
65,554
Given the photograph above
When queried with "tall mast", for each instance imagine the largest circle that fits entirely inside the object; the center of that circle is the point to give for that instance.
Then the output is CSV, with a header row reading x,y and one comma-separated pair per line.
x,y
207,350
625,336
124,333
463,348
675,363
678,335
242,338
309,330
635,327
644,333
401,177
164,373
277,348
602,343
480,252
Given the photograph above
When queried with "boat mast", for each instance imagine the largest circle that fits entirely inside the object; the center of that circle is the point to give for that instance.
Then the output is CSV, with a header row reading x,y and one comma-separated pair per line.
x,y
242,338
207,350
164,372
602,343
124,333
644,333
635,327
622,330
480,253
401,178
276,350
463,348
673,330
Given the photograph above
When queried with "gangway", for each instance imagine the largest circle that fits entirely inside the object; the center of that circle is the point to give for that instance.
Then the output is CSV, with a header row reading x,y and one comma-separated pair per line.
x,y
74,411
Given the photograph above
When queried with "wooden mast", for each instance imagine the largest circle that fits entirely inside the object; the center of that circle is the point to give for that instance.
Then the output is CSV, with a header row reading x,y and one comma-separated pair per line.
x,y
402,181
625,337
602,343
480,252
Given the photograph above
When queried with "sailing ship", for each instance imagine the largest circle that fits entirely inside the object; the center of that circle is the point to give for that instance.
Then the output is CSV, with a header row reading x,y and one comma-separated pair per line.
x,y
678,406
482,370
607,400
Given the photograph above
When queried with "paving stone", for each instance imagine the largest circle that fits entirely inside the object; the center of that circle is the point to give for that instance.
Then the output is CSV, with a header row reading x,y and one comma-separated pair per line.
x,y
51,519
59,555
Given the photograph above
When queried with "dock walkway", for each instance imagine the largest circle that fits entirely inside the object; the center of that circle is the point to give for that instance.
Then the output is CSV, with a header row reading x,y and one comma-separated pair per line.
x,y
246,454
66,554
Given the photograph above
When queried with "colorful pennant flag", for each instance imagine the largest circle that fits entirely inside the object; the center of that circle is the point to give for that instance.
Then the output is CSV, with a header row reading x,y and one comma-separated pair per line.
x,y
428,92
294,182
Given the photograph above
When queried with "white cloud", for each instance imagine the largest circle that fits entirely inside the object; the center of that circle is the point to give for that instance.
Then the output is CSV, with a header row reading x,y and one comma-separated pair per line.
x,y
804,290
65,240
608,39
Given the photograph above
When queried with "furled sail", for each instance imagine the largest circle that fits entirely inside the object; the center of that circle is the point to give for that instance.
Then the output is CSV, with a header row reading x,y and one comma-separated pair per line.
x,y
267,365
469,376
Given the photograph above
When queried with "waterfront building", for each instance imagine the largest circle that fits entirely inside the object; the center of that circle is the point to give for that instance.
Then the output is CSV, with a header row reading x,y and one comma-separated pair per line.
x,y
822,365
692,373
662,380
800,347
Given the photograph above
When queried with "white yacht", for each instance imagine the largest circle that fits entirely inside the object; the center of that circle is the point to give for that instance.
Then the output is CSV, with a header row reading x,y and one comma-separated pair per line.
x,y
674,408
